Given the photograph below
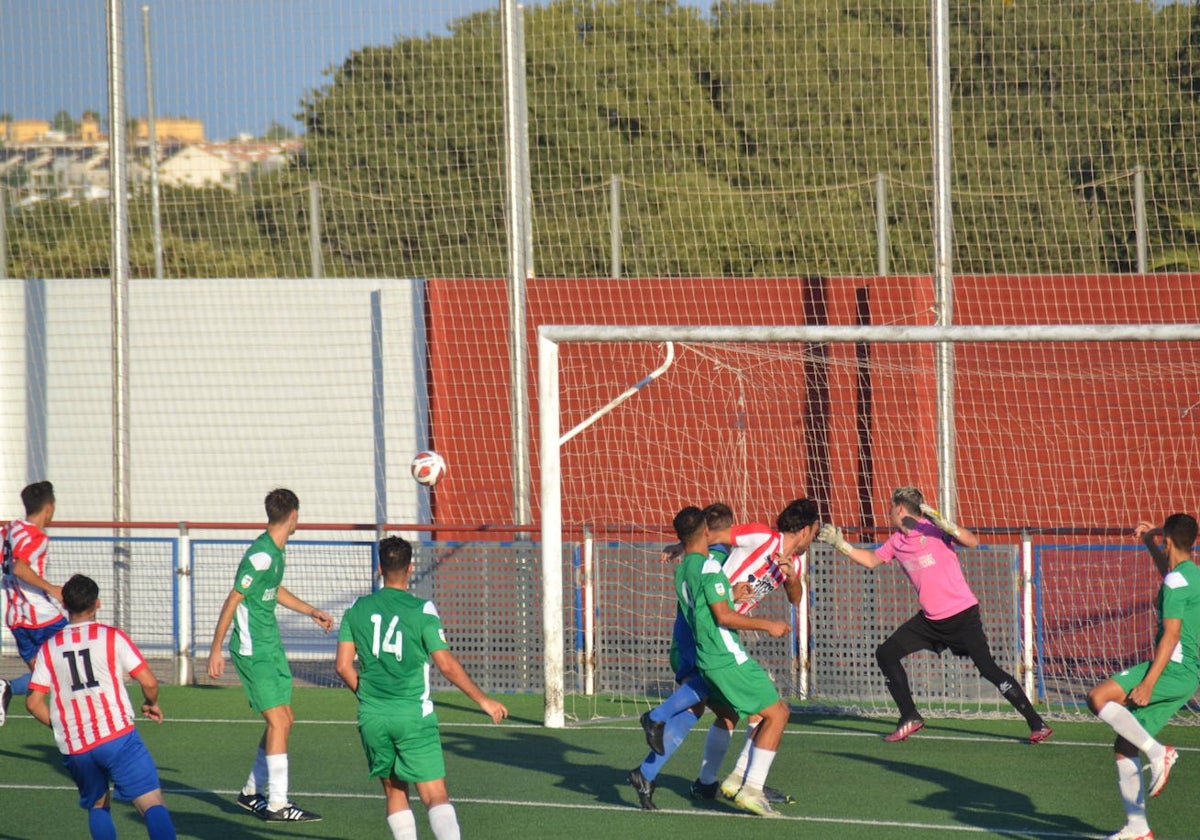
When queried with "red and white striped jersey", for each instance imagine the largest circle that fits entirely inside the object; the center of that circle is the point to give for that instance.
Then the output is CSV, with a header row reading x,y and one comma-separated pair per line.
x,y
28,606
84,668
752,559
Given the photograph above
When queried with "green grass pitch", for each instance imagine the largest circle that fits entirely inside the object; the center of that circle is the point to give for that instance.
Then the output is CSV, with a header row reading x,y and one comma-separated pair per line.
x,y
519,780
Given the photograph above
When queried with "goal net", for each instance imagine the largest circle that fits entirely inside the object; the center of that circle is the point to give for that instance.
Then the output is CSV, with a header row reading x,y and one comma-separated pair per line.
x,y
1064,437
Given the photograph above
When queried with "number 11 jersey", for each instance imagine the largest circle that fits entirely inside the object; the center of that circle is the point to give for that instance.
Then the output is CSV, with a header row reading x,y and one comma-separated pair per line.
x,y
84,666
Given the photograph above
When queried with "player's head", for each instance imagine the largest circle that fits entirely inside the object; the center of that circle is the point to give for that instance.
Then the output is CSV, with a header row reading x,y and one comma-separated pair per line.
x,y
80,595
798,523
395,556
718,516
280,504
37,497
909,498
690,525
1180,529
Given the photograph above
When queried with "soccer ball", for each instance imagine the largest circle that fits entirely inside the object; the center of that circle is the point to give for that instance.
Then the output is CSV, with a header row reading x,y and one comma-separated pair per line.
x,y
428,468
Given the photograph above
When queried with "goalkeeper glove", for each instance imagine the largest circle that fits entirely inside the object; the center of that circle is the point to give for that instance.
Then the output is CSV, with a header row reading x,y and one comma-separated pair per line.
x,y
937,519
832,535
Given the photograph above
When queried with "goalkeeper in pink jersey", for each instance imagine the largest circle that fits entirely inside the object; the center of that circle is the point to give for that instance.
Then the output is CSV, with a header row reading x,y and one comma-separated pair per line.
x,y
924,545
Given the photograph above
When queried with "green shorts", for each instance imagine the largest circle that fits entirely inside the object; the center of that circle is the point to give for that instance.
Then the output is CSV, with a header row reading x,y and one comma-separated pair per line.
x,y
1171,693
266,678
409,749
745,688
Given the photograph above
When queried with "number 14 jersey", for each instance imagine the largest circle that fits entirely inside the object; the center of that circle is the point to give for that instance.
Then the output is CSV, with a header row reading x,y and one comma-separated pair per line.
x,y
393,632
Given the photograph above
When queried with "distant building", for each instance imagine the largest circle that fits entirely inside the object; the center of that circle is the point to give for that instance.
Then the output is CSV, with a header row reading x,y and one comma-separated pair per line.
x,y
24,131
172,129
224,165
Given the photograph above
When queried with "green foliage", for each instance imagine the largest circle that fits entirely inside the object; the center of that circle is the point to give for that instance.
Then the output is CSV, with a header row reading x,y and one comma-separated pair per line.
x,y
64,122
747,142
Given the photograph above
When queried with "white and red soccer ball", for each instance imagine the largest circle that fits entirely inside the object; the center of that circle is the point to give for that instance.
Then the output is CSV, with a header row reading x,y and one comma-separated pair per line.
x,y
428,467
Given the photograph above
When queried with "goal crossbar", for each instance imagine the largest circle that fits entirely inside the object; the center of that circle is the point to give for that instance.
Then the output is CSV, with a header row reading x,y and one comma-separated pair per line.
x,y
551,336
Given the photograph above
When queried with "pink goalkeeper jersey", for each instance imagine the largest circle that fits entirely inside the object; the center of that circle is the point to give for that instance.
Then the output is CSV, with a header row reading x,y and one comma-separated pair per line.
x,y
28,606
752,560
932,567
83,668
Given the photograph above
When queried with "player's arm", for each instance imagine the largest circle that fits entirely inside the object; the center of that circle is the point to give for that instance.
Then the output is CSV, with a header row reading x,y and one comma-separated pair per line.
x,y
27,575
323,619
149,683
734,620
1149,535
956,532
832,536
344,665
216,660
35,704
791,581
1172,628
453,670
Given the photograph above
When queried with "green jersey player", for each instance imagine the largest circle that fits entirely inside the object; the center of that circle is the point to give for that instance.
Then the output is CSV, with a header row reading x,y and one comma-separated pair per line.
x,y
734,679
258,655
395,635
1139,701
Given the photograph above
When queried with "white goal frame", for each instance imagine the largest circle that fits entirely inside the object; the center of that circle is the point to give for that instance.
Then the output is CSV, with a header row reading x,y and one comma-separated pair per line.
x,y
551,336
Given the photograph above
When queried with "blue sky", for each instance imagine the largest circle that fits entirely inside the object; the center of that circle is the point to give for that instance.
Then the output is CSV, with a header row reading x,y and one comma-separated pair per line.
x,y
237,65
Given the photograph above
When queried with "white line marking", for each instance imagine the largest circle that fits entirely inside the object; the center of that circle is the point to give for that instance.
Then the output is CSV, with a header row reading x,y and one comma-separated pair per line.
x,y
698,813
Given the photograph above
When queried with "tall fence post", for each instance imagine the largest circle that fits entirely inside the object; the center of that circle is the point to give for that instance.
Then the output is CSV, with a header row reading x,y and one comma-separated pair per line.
x,y
614,224
881,231
314,228
1027,617
183,606
1139,217
3,232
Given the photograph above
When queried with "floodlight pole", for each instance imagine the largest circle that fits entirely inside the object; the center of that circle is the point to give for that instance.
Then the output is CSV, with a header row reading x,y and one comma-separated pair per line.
x,y
943,244
515,143
118,213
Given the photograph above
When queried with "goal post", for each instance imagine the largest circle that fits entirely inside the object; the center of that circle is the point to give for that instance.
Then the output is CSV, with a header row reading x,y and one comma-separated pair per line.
x,y
552,339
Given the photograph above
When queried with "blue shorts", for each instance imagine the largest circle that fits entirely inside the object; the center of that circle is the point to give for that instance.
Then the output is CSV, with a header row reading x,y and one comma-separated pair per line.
x,y
31,639
124,762
683,649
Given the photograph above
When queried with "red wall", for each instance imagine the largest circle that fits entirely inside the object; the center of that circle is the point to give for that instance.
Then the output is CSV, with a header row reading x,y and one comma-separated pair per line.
x,y
1055,436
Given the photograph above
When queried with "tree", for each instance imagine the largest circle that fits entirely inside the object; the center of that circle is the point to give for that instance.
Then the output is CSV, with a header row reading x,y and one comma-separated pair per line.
x,y
276,133
62,121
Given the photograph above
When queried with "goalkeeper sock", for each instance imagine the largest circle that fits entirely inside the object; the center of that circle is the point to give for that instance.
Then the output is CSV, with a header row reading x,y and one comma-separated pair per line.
x,y
688,694
444,822
1126,725
1129,783
403,825
257,781
1016,695
760,765
676,730
100,824
158,823
716,744
277,781
21,684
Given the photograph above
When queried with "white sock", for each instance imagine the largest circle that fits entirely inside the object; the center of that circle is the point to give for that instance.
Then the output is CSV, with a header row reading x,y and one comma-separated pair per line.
x,y
277,781
743,760
403,825
716,744
1129,783
257,782
1126,725
760,765
444,822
